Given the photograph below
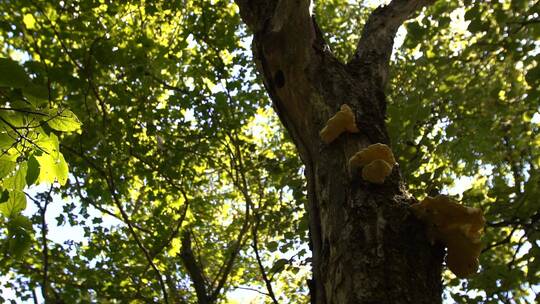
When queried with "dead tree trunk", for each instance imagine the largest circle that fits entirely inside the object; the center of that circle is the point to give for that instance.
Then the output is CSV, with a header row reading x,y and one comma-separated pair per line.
x,y
367,248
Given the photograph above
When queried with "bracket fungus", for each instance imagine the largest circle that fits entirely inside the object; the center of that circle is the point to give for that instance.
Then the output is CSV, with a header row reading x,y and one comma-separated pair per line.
x,y
377,161
343,121
376,171
458,227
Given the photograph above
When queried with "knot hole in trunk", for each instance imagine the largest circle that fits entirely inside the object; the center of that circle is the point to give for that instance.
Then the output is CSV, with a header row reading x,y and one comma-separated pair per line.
x,y
279,79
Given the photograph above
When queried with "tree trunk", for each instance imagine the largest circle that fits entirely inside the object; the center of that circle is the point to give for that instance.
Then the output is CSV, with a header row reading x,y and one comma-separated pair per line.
x,y
367,247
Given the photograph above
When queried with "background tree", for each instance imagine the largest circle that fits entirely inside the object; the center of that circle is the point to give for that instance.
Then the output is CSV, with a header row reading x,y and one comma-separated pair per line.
x,y
186,187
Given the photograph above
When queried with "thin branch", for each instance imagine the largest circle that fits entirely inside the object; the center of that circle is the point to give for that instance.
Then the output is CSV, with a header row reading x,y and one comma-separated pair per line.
x,y
520,244
174,185
251,289
101,209
128,292
23,111
112,189
505,223
245,227
16,130
42,213
166,85
176,229
109,178
173,290
501,242
87,159
267,282
55,31
34,296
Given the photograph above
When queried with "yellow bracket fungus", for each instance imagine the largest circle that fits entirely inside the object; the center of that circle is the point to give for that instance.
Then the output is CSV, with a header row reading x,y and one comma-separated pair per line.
x,y
377,161
376,171
458,227
343,121
371,153
462,255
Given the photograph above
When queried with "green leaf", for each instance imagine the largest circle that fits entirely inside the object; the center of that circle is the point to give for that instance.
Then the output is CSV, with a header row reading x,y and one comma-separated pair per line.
x,y
415,33
19,235
535,30
6,167
11,119
272,246
36,94
533,75
476,25
12,74
6,140
279,265
4,196
64,121
15,203
472,13
53,167
32,173
18,180
46,143
519,4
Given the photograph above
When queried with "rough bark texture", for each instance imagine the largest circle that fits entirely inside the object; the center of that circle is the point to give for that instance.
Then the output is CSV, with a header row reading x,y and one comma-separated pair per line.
x,y
367,247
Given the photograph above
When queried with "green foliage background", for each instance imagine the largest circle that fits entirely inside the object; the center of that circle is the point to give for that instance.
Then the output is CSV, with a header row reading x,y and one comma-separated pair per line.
x,y
178,141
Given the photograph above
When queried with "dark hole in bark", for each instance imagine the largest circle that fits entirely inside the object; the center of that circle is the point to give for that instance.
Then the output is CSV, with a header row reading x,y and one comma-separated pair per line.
x,y
279,79
323,179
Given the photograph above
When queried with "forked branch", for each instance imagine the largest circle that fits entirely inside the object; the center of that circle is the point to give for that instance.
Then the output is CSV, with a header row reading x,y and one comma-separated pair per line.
x,y
375,45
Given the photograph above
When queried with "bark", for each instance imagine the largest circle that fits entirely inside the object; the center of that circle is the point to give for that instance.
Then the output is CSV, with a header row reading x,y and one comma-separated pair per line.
x,y
367,247
195,272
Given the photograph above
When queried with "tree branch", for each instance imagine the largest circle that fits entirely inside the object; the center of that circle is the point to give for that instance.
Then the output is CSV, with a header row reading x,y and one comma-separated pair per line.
x,y
114,194
251,289
34,296
284,48
266,280
44,230
375,45
195,272
78,187
108,176
241,183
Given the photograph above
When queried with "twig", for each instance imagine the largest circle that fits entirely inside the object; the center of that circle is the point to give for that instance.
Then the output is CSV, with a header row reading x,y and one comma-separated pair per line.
x,y
501,242
43,211
112,189
16,130
227,266
109,178
101,209
23,111
267,282
251,289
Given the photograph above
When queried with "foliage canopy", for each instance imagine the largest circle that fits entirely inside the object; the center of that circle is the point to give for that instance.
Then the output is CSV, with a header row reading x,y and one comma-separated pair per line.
x,y
181,176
